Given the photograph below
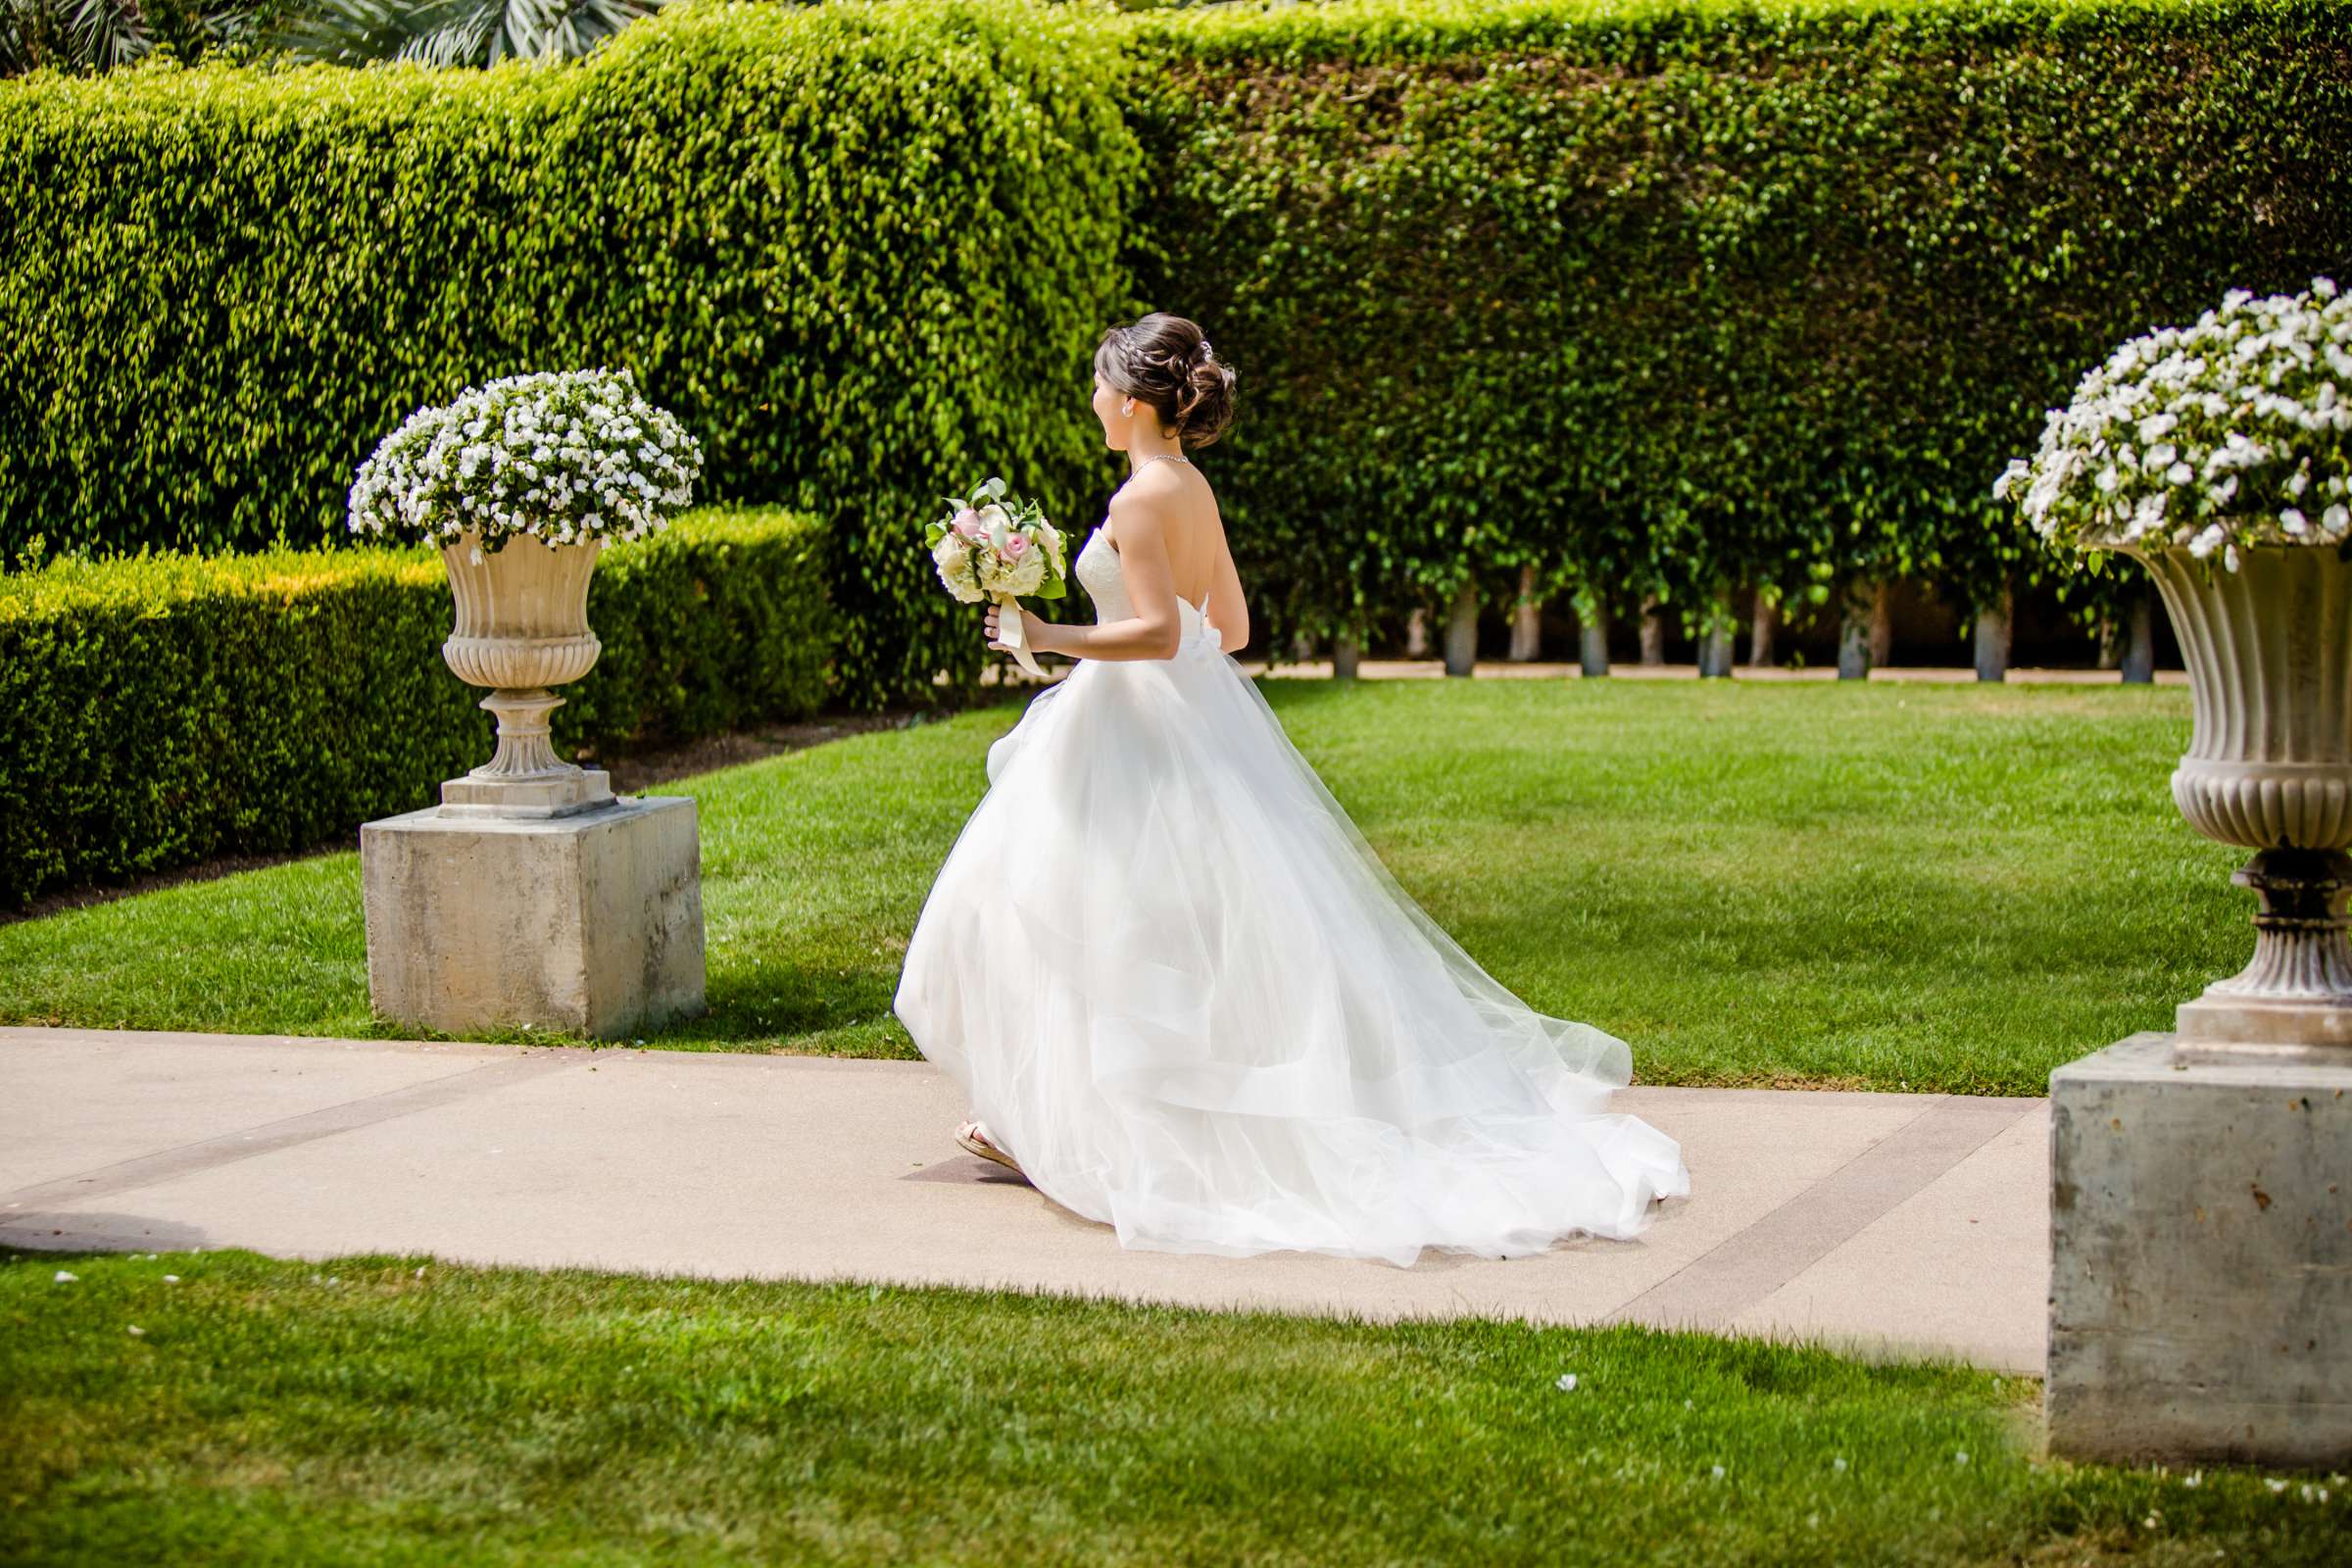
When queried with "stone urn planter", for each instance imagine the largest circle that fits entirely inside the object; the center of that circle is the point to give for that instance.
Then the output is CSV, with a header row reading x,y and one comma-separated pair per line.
x,y
2268,767
2217,456
522,629
2200,1258
530,896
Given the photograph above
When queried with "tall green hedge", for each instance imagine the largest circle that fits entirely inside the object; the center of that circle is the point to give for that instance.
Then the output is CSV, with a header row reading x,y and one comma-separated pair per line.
x,y
166,708
1678,296
862,248
1658,295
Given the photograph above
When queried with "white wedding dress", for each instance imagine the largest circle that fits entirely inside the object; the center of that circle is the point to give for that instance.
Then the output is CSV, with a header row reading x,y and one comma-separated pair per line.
x,y
1180,988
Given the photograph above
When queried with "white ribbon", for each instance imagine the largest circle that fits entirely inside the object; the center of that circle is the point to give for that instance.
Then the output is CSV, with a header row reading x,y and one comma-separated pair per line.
x,y
1014,632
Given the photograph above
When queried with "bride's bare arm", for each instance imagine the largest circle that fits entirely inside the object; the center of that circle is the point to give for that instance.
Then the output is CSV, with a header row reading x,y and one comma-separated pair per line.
x,y
1154,630
1228,610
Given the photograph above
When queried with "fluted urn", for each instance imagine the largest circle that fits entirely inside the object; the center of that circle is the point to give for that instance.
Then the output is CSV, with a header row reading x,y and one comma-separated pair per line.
x,y
521,630
2269,766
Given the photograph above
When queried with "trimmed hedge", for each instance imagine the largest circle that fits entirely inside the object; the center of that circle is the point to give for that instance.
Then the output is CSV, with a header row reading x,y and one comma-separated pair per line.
x,y
1679,297
164,709
862,249
1659,296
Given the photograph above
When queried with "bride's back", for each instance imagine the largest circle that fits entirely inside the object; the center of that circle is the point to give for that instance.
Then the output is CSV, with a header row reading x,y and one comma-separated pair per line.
x,y
1179,494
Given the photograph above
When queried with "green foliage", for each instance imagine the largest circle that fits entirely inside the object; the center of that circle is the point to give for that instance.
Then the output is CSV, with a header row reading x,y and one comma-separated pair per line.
x,y
453,33
1659,297
86,35
860,249
97,35
166,708
1669,297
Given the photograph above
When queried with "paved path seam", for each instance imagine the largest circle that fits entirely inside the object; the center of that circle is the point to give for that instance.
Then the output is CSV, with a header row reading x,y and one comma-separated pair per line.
x,y
145,1170
1734,1274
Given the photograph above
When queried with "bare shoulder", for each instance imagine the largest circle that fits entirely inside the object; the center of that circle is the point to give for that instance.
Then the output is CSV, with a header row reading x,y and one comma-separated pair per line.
x,y
1163,503
1135,517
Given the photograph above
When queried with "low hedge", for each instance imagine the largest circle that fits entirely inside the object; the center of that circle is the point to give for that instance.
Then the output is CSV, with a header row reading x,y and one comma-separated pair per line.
x,y
163,709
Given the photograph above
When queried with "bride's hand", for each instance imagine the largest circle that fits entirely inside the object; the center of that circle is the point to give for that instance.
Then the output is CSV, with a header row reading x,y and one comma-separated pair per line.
x,y
996,631
1029,631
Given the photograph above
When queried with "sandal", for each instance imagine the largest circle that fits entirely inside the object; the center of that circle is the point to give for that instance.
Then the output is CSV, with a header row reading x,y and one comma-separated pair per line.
x,y
974,1138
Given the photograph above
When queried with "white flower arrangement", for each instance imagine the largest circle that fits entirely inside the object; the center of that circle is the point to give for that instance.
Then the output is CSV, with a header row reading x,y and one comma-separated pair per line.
x,y
990,547
566,455
2214,437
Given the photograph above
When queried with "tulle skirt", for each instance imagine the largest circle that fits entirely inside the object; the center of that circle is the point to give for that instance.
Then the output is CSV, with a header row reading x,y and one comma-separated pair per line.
x,y
1179,985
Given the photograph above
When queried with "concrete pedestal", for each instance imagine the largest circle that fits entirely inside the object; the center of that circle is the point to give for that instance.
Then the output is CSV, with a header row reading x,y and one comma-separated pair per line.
x,y
590,921
2201,1259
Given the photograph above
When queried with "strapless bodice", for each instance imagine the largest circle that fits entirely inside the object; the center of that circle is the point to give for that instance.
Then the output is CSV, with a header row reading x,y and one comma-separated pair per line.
x,y
1097,570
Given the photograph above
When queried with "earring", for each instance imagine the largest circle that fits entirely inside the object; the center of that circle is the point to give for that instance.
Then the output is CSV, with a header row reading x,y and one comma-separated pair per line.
x,y
1127,407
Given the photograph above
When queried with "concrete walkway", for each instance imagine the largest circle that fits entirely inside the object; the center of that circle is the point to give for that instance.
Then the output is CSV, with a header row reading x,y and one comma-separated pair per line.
x,y
1875,1223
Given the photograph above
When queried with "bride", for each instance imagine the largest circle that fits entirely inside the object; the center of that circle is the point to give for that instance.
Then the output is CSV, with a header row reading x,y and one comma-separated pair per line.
x,y
1182,993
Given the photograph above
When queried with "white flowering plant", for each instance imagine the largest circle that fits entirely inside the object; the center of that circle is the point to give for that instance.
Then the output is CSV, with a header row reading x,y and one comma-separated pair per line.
x,y
992,546
567,456
2215,437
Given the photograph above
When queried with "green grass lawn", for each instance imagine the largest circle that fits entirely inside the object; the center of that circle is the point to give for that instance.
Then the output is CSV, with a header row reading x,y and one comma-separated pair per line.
x,y
1865,885
356,1411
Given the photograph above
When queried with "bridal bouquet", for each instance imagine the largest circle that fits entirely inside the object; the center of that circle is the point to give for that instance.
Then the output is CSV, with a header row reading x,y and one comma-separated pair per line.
x,y
990,547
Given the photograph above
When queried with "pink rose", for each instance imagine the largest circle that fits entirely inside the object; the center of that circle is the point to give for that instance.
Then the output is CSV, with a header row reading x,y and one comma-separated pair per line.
x,y
967,523
1017,547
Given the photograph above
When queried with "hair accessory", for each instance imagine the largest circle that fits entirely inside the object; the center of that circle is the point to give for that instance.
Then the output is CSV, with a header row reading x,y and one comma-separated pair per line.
x,y
1204,349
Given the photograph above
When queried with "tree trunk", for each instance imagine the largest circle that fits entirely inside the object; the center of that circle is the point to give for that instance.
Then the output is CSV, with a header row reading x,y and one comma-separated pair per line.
x,y
2140,641
1417,633
1344,652
1715,641
1882,625
1766,621
1527,619
1653,630
1992,638
1591,636
1303,647
2111,643
1461,631
1854,632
